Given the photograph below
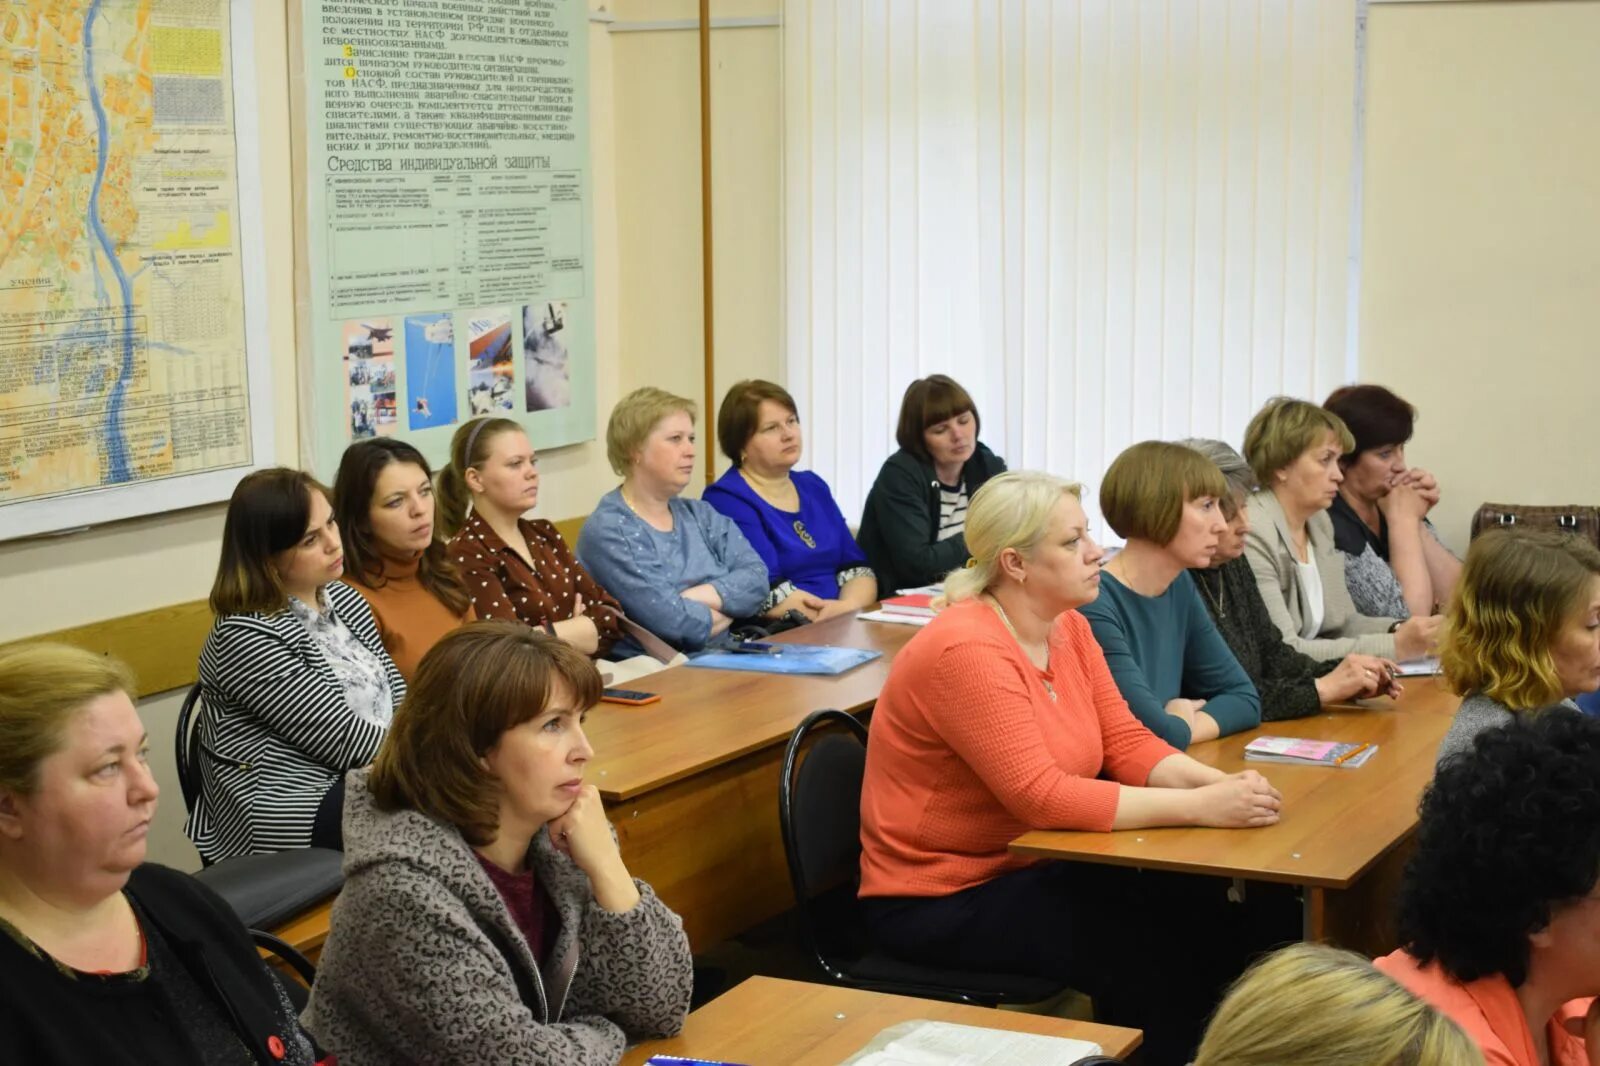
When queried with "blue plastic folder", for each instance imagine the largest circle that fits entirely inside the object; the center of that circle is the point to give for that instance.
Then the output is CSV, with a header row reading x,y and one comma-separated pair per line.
x,y
669,1060
815,659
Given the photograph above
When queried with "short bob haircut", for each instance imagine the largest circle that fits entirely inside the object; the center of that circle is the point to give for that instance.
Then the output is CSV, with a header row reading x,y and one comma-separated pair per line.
x,y
471,687
927,402
1509,833
470,447
1517,589
1284,430
740,414
42,685
1235,471
1010,510
359,468
1315,1005
1376,417
266,515
633,419
1143,493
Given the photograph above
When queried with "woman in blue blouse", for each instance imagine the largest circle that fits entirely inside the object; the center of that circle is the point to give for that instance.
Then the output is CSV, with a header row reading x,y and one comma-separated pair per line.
x,y
677,567
788,516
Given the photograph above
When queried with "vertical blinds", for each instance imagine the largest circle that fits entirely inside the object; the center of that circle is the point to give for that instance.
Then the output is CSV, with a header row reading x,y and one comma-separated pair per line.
x,y
1110,221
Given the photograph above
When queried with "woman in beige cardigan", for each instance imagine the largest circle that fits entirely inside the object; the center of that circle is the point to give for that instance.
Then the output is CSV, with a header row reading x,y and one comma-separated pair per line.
x,y
1294,448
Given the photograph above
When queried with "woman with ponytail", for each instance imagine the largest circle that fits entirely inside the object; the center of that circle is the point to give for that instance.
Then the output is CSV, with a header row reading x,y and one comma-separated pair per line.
x,y
515,568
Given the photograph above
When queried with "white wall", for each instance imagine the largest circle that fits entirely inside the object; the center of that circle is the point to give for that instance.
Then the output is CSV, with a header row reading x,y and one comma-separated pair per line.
x,y
1481,267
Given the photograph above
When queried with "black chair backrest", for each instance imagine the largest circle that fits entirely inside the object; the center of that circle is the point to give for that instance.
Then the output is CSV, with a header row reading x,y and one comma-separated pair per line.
x,y
187,748
299,995
819,803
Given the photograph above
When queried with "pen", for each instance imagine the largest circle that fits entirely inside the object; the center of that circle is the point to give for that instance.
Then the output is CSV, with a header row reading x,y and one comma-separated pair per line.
x,y
1352,753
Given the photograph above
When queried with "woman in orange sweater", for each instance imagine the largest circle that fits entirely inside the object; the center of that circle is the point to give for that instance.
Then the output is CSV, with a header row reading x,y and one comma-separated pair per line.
x,y
383,502
1001,716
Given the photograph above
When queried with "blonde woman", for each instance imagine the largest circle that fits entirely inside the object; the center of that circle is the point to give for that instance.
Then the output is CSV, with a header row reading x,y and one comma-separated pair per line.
x,y
679,568
1294,449
1523,630
1314,1005
1001,716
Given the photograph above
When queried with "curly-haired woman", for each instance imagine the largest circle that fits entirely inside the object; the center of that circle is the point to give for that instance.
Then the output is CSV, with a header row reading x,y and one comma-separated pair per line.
x,y
1500,906
1523,631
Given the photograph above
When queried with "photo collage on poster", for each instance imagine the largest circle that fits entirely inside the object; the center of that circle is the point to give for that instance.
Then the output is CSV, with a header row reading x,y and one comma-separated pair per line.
x,y
430,369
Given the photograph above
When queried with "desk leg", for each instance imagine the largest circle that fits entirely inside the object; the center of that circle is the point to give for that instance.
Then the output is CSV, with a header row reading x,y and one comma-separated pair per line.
x,y
1360,917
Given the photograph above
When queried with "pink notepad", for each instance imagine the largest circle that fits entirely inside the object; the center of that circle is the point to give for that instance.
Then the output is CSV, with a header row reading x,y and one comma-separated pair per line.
x,y
1309,752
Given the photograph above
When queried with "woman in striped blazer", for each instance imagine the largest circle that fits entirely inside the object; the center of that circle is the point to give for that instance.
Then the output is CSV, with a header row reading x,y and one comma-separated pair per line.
x,y
296,685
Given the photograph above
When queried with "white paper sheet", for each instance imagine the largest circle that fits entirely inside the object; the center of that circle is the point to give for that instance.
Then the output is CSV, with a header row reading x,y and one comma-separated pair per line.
x,y
897,617
925,1043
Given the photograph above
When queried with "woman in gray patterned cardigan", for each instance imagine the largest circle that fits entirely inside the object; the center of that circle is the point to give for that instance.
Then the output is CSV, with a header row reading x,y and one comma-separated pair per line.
x,y
487,915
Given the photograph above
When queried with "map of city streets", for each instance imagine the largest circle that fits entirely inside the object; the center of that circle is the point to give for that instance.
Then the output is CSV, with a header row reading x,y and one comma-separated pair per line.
x,y
122,336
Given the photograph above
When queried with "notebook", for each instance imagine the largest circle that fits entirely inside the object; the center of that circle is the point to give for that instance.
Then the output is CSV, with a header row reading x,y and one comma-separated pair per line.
x,y
1309,752
815,659
916,603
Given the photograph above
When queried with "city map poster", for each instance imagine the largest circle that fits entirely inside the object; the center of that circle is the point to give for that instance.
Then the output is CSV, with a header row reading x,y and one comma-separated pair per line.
x,y
125,376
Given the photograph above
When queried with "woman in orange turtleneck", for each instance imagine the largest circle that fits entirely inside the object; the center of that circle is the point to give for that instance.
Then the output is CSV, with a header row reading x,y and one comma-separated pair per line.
x,y
383,500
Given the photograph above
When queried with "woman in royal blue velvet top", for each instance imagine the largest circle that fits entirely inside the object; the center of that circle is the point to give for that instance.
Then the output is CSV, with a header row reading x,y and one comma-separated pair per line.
x,y
789,516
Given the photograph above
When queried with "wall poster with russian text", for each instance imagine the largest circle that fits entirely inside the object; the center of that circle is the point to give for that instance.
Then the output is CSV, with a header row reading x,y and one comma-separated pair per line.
x,y
446,181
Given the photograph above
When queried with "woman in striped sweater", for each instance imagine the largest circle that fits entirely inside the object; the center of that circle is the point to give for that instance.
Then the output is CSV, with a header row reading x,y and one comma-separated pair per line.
x,y
296,684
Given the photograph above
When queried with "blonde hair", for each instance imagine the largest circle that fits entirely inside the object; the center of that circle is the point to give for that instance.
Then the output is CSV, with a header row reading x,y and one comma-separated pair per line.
x,y
1010,510
632,419
1516,590
42,686
1146,487
1313,1005
1285,429
469,448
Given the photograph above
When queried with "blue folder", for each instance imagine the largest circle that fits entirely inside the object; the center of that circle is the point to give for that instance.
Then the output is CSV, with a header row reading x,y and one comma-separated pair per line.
x,y
814,659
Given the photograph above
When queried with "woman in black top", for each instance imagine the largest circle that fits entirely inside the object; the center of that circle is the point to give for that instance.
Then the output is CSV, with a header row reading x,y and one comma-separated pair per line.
x,y
105,958
1291,683
911,527
1395,565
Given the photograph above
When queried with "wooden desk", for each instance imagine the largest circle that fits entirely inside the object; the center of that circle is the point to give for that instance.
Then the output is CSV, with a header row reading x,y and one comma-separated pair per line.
x,y
1344,834
765,1020
691,782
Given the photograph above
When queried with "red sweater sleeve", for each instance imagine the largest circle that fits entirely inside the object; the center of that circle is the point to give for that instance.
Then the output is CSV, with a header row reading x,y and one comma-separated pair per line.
x,y
1131,749
988,710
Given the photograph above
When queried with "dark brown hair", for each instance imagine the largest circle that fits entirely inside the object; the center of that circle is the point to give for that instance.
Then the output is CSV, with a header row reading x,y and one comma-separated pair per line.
x,y
359,468
927,402
267,514
1375,416
451,495
471,687
740,414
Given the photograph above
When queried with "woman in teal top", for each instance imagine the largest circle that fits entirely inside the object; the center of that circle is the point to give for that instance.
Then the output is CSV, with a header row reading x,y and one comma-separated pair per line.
x,y
1173,667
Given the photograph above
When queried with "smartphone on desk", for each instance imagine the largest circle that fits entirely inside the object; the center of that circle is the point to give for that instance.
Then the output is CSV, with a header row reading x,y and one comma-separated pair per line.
x,y
631,696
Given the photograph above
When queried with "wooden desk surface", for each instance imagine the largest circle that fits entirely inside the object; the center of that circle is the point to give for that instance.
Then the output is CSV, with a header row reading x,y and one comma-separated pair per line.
x,y
766,1020
1336,823
707,718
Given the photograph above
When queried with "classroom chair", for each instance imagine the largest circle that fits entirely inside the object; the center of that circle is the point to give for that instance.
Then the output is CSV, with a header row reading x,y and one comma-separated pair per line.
x,y
263,890
819,813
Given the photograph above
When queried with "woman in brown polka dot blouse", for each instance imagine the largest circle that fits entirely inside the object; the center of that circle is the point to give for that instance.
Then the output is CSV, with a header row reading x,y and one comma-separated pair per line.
x,y
516,568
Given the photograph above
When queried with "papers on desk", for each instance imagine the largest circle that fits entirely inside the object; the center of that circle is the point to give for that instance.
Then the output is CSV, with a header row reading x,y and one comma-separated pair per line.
x,y
1418,667
923,1043
816,659
1309,752
897,617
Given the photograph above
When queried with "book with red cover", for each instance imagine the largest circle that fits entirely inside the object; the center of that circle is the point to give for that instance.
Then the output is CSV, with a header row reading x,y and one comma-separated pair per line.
x,y
914,603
